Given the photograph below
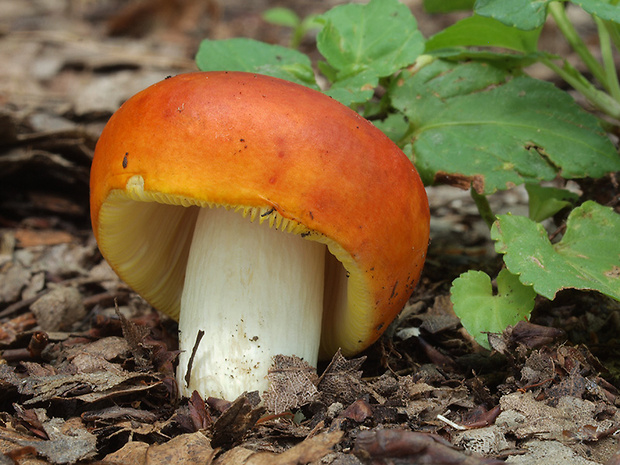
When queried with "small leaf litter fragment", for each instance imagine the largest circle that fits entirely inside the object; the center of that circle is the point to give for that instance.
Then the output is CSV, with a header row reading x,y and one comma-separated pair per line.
x,y
292,383
69,441
342,380
235,422
481,312
587,257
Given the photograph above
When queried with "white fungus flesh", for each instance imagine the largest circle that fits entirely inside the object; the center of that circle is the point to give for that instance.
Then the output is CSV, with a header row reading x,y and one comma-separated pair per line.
x,y
255,292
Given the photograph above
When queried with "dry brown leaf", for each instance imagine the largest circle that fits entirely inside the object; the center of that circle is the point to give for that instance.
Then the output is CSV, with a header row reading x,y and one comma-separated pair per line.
x,y
341,380
524,417
307,451
32,238
292,383
59,309
358,411
133,452
397,446
234,422
116,413
69,441
201,419
143,385
186,449
107,348
15,277
10,330
103,384
9,446
136,335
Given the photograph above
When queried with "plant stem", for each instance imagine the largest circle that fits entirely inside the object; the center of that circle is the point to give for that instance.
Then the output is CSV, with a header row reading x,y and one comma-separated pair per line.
x,y
608,58
614,32
482,202
599,99
568,30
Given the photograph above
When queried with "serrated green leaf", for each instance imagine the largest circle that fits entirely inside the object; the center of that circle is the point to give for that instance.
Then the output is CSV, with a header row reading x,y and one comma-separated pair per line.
x,y
472,119
522,14
356,89
587,257
482,312
252,56
381,36
447,6
603,10
545,202
480,31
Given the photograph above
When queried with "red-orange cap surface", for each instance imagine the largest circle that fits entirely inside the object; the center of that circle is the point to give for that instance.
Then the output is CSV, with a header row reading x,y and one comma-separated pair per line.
x,y
274,150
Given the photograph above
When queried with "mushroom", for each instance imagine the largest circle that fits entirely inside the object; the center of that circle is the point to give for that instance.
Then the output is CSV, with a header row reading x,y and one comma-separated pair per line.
x,y
263,215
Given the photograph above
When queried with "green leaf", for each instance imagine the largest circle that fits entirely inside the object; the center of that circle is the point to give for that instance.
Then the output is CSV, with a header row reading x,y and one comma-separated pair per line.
x,y
288,18
255,57
447,6
328,71
603,10
472,119
356,89
282,17
381,36
587,257
394,126
482,312
522,14
480,31
505,61
311,22
547,201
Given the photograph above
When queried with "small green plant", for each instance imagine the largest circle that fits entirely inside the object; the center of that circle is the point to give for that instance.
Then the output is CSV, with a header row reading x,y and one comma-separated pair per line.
x,y
288,18
462,106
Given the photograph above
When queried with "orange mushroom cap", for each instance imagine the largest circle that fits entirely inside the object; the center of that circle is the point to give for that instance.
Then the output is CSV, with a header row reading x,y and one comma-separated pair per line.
x,y
273,150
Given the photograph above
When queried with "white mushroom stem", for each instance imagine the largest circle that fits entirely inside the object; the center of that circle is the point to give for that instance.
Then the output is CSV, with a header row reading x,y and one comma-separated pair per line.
x,y
256,292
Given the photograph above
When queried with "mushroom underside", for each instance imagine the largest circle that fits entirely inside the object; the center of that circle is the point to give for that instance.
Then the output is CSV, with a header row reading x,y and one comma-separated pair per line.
x,y
153,256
